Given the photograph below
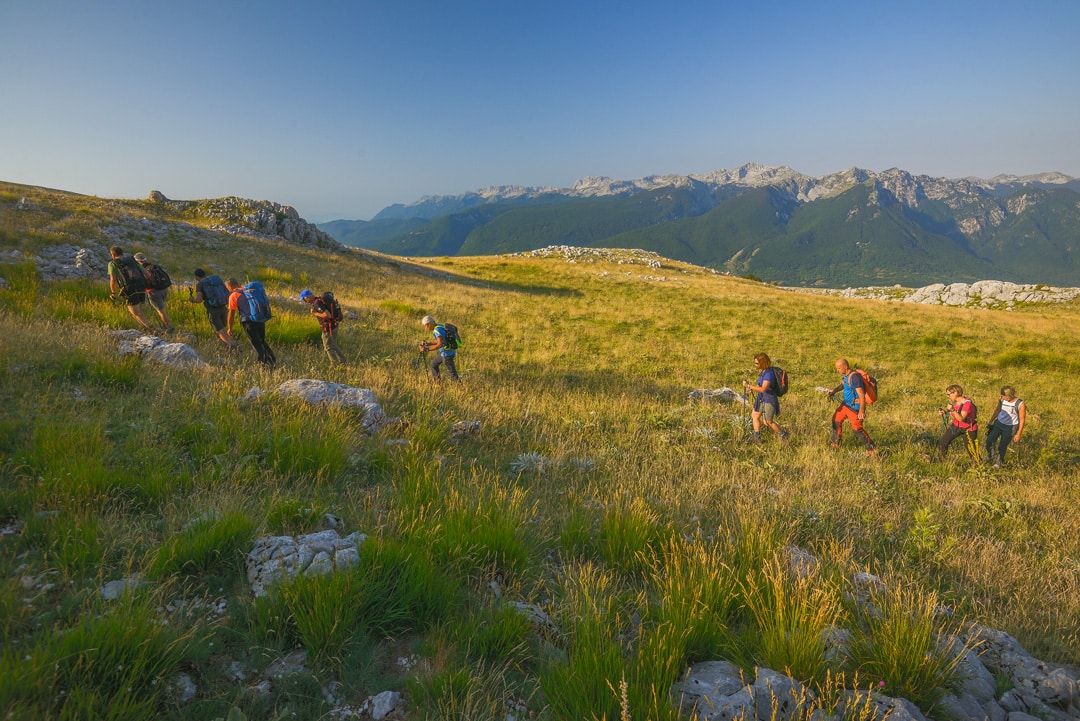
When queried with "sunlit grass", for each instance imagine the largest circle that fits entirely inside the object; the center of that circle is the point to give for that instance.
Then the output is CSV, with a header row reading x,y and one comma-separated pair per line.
x,y
641,519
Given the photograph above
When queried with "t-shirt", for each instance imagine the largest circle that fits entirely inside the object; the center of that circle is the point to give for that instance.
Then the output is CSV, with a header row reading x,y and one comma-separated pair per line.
x,y
967,407
768,375
205,287
852,382
321,306
1010,412
441,334
240,304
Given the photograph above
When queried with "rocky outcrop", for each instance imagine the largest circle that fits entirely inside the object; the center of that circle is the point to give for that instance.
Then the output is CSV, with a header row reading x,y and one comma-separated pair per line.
x,y
987,294
262,218
318,392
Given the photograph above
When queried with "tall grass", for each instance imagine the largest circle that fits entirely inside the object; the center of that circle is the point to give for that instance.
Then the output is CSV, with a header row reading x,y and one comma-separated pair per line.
x,y
641,519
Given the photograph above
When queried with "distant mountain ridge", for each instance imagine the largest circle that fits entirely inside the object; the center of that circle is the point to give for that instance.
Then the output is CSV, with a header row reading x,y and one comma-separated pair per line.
x,y
853,227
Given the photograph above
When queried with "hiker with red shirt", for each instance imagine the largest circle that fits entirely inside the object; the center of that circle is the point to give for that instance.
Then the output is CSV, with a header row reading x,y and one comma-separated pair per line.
x,y
852,408
322,307
961,415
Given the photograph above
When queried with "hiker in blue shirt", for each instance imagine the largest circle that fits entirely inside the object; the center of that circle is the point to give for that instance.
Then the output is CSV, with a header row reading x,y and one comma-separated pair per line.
x,y
444,354
766,400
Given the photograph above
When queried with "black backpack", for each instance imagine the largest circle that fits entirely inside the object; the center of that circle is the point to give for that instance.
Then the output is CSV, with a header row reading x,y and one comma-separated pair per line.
x,y
130,276
159,279
333,306
453,340
781,381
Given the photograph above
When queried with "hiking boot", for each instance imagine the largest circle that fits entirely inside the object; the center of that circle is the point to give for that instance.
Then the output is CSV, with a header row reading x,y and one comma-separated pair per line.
x,y
755,438
871,451
784,436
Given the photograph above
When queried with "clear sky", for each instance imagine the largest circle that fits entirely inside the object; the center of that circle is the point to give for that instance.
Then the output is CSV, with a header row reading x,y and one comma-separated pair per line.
x,y
341,107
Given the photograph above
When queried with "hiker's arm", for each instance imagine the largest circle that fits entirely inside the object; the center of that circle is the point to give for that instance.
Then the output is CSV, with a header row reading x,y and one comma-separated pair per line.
x,y
860,397
228,323
836,390
1021,411
196,297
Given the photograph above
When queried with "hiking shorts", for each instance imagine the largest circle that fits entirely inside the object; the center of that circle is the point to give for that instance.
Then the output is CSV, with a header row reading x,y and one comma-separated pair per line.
x,y
219,317
768,407
157,298
136,298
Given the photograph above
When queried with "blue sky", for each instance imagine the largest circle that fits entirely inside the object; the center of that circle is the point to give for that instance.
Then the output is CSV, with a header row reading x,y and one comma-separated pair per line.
x,y
340,108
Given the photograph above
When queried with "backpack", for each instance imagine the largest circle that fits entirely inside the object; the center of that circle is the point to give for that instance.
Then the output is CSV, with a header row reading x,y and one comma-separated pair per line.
x,y
159,279
870,386
453,340
130,276
258,303
333,306
781,381
215,294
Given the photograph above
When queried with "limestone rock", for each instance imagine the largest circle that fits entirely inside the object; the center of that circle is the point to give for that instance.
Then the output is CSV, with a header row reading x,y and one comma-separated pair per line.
x,y
175,355
277,558
317,392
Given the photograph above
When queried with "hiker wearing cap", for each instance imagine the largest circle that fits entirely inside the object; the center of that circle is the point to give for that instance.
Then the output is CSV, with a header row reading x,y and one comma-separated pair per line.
x,y
210,290
327,310
157,289
255,330
766,398
853,406
1007,426
128,280
961,419
445,349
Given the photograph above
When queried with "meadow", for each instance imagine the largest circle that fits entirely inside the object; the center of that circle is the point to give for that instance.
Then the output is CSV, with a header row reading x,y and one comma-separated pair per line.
x,y
642,521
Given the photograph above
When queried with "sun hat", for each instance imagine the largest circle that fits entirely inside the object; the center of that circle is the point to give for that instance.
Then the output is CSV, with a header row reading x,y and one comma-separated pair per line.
x,y
140,257
305,294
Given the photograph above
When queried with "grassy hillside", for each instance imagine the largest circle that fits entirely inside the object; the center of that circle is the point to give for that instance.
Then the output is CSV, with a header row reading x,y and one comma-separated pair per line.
x,y
641,521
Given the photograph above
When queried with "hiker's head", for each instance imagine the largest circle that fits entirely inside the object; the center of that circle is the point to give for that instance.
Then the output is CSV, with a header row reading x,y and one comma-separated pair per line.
x,y
842,366
307,296
232,284
954,391
762,361
1008,392
428,322
116,251
140,257
200,273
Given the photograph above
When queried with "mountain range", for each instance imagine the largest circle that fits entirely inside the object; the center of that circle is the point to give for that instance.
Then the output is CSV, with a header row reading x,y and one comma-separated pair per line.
x,y
854,227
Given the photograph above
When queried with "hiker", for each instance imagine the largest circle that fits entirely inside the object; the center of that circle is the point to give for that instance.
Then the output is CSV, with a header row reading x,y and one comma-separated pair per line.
x,y
766,400
327,310
128,279
240,305
445,349
852,408
961,420
1007,425
210,290
158,289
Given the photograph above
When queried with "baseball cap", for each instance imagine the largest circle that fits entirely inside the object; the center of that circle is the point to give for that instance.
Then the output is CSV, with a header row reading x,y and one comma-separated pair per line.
x,y
305,294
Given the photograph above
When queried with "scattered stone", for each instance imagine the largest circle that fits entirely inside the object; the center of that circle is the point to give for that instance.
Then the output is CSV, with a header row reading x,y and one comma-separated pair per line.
x,y
175,355
463,429
185,687
384,704
289,665
725,394
277,558
317,392
114,590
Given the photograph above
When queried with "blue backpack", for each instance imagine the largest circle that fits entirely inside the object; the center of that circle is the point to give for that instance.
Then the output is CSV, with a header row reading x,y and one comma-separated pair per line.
x,y
258,303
